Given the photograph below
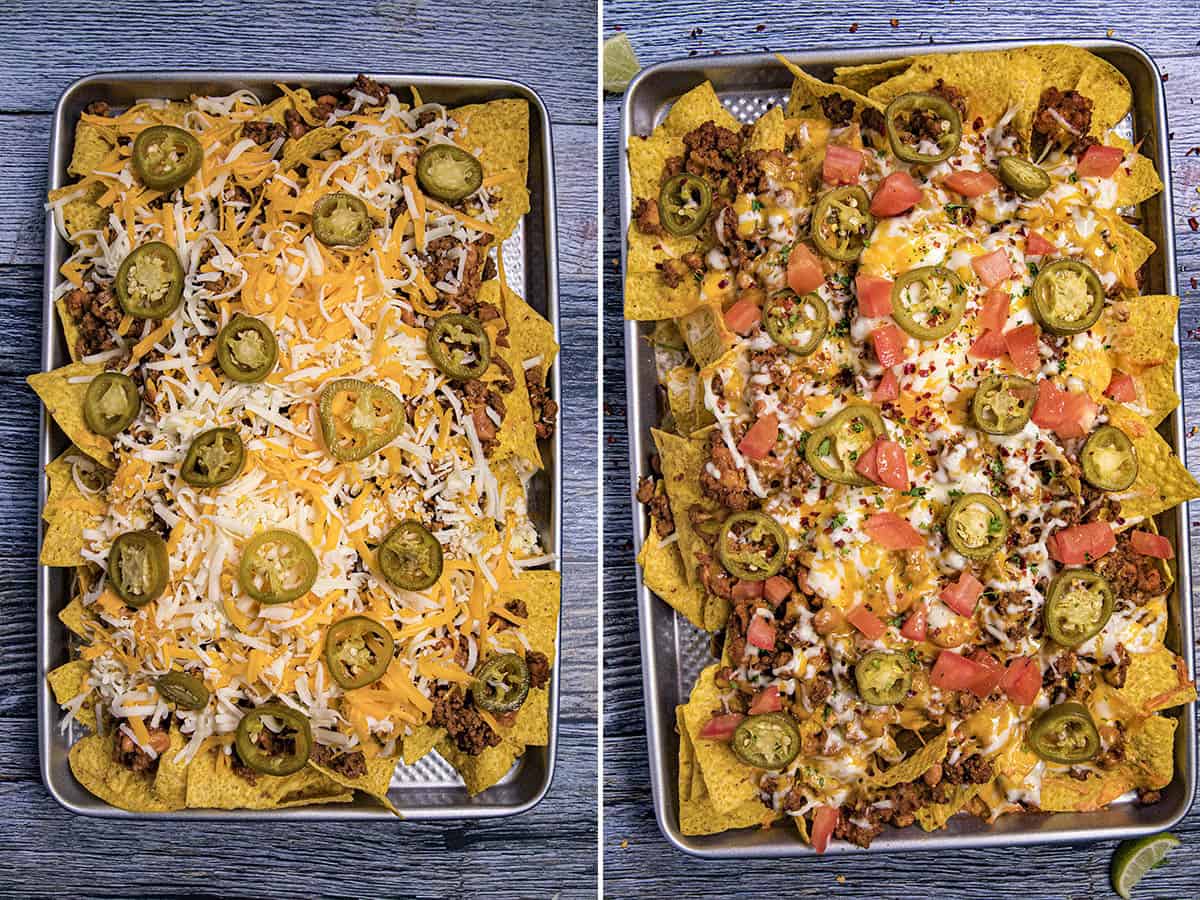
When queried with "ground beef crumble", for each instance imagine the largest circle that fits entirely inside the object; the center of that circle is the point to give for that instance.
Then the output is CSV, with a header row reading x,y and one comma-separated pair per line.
x,y
457,714
96,314
350,764
134,758
1133,576
1056,108
539,669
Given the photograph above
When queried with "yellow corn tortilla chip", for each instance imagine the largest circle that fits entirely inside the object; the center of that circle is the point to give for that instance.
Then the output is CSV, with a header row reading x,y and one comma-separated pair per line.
x,y
69,326
863,78
375,781
697,815
1163,482
1150,752
212,784
499,130
420,742
807,92
731,783
1156,392
936,815
68,682
706,335
1154,681
298,99
541,589
662,572
716,612
92,763
769,131
1062,793
83,213
171,776
92,144
1136,248
915,765
1141,331
516,435
1073,68
77,619
1091,364
311,145
1137,179
64,401
68,512
648,298
481,772
686,400
682,461
529,332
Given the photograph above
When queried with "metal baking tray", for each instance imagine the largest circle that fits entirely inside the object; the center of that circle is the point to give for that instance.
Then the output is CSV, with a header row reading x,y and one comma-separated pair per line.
x,y
674,651
431,789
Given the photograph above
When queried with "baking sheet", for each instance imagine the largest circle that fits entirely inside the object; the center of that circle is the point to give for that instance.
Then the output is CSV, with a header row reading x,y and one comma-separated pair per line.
x,y
674,651
431,789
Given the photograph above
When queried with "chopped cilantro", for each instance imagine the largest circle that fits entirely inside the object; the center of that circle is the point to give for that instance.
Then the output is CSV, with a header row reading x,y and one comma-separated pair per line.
x,y
954,493
995,526
756,205
1033,269
914,492
838,521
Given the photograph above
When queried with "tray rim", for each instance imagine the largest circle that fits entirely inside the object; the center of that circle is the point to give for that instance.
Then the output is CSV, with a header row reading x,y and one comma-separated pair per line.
x,y
58,154
659,731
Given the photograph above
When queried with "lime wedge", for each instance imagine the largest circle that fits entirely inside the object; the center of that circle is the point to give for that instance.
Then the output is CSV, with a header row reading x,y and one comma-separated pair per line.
x,y
620,64
1134,859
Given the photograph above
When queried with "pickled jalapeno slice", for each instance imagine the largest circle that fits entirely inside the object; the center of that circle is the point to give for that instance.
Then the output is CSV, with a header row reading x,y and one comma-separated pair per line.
x,y
341,220
410,557
751,545
834,448
215,457
138,567
1065,734
1027,179
684,202
165,157
448,172
1108,459
247,349
768,741
502,683
358,418
922,128
1002,404
976,525
796,323
274,752
1079,604
111,403
883,677
358,650
277,566
185,691
1067,297
928,302
149,281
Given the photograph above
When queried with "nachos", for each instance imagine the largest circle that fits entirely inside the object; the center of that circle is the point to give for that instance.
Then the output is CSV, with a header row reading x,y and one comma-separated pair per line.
x,y
303,409
907,465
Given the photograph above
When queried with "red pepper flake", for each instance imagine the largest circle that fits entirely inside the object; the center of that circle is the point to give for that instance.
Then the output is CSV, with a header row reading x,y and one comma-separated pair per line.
x,y
853,27
1193,224
895,23
1193,151
1194,285
696,32
764,28
1165,76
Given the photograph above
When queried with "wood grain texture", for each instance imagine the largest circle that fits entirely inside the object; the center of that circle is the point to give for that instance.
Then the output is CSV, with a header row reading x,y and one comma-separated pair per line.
x,y
551,47
637,860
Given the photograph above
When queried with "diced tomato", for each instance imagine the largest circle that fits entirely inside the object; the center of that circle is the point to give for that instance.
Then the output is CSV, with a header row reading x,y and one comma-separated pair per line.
x,y
747,589
1022,345
896,194
842,165
721,728
825,820
1099,161
874,295
1036,245
962,595
888,388
1148,544
868,464
891,468
915,626
994,314
804,273
1051,401
867,622
892,532
953,672
989,345
971,184
778,588
1079,412
766,701
1022,680
758,441
987,682
743,316
891,345
993,268
761,633
1081,544
1121,387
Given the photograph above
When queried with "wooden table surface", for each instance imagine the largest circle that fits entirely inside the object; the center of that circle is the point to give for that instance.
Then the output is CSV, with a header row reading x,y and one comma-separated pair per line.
x,y
637,859
46,851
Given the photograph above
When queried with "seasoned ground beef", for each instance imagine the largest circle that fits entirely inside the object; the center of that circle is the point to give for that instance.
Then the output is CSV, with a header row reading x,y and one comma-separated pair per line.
x,y
872,119
295,124
539,668
750,175
545,410
673,272
838,110
951,95
517,607
98,108
479,398
470,733
1116,675
97,315
849,828
972,770
1133,576
711,151
714,577
645,214
658,505
442,264
1145,797
372,88
347,764
729,487
263,133
1063,118
242,771
134,758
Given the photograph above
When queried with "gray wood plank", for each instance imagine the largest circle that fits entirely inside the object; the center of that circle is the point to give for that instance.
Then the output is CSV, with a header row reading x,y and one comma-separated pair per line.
x,y
637,859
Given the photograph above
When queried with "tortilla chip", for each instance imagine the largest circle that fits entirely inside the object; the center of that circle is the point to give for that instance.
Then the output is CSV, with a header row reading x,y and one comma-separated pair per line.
x,y
1154,681
375,781
1150,752
516,435
687,756
807,92
915,765
663,573
936,815
716,612
64,401
298,99
499,131
481,772
83,213
92,763
1137,179
1136,248
769,131
686,400
92,145
171,777
78,620
1156,393
1073,68
731,783
311,145
706,335
1062,793
68,682
70,328
1163,481
420,742
682,460
212,784
68,512
863,78
648,298
530,333
697,814
1141,331
541,589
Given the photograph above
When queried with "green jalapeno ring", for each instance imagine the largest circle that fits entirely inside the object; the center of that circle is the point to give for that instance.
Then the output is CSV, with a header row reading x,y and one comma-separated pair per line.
x,y
111,403
410,557
798,324
138,567
251,726
149,281
1109,459
769,741
1078,605
448,172
453,339
941,315
1027,179
976,525
684,202
1065,734
358,651
906,105
371,422
883,677
1002,404
502,683
757,528
185,691
341,220
165,157
1067,297
834,448
247,349
842,223
285,563
214,458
